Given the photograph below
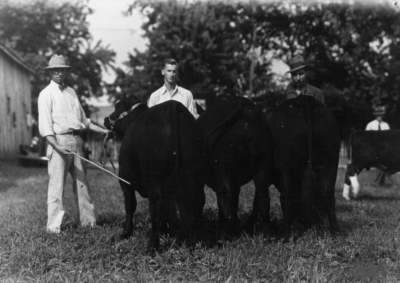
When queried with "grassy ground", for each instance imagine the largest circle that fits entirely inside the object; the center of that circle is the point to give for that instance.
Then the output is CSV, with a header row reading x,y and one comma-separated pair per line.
x,y
367,251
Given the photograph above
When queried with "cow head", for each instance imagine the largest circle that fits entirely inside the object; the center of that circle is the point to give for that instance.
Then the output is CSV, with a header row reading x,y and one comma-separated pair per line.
x,y
122,108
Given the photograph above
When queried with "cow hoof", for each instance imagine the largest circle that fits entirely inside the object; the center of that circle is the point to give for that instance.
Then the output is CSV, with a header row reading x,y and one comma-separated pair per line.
x,y
152,251
346,197
125,235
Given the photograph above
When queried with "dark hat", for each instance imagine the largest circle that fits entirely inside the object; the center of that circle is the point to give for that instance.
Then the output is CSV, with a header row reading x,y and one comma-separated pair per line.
x,y
296,63
379,110
57,61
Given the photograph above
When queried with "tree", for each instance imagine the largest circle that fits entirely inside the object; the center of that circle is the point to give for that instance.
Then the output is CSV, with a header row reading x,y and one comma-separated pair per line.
x,y
226,49
37,29
214,51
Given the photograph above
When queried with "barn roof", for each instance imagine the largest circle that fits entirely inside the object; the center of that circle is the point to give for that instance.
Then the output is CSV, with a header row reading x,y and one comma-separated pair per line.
x,y
17,59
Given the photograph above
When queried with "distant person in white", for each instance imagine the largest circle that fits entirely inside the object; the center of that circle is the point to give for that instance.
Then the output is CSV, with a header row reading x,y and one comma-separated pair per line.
x,y
171,91
61,118
378,124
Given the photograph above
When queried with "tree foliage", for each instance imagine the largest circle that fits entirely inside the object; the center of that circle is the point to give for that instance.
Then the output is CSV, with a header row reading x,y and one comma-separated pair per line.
x,y
209,40
226,49
40,28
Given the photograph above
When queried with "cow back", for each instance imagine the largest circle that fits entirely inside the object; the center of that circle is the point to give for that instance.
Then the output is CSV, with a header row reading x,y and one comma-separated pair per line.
x,y
162,136
218,119
237,141
376,149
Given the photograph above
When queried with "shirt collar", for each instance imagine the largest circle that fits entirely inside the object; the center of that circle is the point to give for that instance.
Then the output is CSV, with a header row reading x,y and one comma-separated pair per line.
x,y
164,90
304,91
54,84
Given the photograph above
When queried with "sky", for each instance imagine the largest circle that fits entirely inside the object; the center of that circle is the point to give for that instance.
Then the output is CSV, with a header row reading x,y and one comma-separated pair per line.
x,y
121,33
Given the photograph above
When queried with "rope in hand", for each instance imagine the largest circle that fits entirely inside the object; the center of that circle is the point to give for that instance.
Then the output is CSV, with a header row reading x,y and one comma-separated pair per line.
x,y
105,155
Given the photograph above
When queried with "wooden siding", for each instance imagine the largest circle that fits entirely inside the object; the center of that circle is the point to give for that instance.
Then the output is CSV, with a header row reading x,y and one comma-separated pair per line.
x,y
15,105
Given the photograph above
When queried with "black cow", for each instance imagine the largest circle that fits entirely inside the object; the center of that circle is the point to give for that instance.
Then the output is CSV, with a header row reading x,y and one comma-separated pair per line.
x,y
306,155
238,149
379,149
161,156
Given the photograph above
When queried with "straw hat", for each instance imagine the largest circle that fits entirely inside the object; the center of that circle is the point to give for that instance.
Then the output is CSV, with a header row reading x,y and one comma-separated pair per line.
x,y
379,110
296,63
57,61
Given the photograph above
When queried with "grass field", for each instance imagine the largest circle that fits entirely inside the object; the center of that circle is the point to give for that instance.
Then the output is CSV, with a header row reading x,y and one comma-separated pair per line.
x,y
367,251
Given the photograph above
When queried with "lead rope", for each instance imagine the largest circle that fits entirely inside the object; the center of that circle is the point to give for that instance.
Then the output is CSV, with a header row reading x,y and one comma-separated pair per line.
x,y
105,155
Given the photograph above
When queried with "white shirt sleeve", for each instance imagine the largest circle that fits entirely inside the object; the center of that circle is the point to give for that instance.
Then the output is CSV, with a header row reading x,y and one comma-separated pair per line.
x,y
153,100
191,105
45,119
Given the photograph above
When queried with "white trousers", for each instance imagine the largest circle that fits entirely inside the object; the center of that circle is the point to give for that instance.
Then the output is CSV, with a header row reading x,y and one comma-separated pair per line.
x,y
58,167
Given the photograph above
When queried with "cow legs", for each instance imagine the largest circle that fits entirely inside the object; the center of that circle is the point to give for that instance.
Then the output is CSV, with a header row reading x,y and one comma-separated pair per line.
x,y
130,208
331,213
227,198
351,182
261,204
329,201
289,207
155,202
355,185
346,192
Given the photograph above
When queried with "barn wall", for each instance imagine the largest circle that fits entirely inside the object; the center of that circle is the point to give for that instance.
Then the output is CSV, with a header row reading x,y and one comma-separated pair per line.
x,y
15,105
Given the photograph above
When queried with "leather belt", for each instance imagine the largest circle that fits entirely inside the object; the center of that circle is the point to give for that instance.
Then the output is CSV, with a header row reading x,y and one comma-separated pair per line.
x,y
74,133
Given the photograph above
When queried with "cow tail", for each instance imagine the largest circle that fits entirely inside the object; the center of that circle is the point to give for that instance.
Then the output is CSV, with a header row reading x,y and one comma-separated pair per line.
x,y
351,147
177,140
309,178
221,128
346,176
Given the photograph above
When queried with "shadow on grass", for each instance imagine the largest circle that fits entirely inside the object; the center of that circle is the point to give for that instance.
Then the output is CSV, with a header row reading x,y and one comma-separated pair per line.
x,y
109,219
370,197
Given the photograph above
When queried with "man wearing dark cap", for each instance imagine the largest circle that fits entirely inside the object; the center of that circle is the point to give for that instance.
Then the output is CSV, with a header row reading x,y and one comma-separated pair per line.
x,y
299,85
61,118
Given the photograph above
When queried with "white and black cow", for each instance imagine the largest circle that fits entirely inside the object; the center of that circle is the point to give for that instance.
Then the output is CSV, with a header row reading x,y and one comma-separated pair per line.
x,y
379,149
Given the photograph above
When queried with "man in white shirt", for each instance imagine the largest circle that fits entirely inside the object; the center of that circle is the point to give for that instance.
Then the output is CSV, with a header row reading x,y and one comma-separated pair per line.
x,y
61,117
379,125
171,91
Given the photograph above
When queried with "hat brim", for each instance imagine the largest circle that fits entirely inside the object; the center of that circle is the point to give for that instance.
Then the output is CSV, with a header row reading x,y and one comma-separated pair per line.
x,y
57,67
297,68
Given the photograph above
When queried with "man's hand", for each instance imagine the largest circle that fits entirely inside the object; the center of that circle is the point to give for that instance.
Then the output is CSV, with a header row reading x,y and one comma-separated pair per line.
x,y
105,131
62,149
98,129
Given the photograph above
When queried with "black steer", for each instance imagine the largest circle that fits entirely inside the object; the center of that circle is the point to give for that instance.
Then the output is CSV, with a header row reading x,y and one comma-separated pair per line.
x,y
306,154
379,149
238,148
161,156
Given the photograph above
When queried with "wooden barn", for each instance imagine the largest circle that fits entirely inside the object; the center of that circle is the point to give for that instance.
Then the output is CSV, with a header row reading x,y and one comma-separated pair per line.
x,y
15,103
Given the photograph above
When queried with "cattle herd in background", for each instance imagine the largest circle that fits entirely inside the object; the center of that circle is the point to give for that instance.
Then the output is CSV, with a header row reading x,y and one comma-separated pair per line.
x,y
168,157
